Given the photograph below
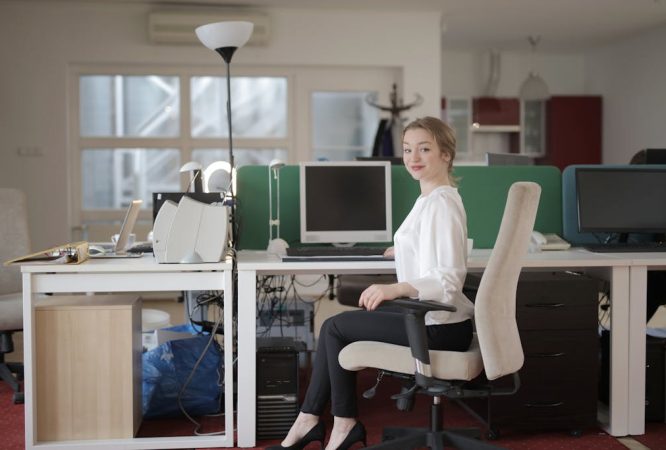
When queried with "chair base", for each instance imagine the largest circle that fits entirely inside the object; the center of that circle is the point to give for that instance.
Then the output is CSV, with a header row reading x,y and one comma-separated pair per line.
x,y
7,371
405,438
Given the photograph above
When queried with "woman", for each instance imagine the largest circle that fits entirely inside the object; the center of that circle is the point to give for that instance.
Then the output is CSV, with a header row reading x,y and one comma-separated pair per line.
x,y
430,258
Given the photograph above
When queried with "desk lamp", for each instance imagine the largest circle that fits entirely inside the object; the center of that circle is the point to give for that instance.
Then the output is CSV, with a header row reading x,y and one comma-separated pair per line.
x,y
225,38
219,166
276,245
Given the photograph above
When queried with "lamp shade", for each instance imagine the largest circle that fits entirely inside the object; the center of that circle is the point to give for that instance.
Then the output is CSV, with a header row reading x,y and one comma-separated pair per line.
x,y
534,88
225,34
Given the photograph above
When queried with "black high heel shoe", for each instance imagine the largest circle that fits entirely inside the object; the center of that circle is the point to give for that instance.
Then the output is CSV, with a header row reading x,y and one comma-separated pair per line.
x,y
355,435
316,434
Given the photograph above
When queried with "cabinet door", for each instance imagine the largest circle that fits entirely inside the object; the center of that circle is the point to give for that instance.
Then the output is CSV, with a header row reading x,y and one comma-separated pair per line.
x,y
495,111
533,126
574,130
459,117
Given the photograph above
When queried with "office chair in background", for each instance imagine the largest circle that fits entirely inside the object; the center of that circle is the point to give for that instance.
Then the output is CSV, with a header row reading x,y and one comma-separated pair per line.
x,y
14,242
495,349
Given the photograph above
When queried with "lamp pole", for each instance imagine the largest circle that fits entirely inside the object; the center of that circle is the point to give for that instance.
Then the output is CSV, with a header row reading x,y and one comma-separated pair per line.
x,y
225,38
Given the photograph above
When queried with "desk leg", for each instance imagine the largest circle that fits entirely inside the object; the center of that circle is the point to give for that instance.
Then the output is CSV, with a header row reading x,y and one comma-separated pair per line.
x,y
228,359
247,350
636,364
619,349
28,352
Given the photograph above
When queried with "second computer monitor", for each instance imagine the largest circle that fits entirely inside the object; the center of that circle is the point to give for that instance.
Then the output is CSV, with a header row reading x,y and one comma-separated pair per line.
x,y
621,200
508,159
345,202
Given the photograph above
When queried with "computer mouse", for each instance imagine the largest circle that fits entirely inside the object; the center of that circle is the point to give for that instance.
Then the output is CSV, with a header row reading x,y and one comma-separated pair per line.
x,y
95,250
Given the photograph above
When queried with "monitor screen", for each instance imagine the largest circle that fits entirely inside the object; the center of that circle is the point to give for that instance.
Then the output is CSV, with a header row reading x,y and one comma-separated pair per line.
x,y
508,159
621,200
345,202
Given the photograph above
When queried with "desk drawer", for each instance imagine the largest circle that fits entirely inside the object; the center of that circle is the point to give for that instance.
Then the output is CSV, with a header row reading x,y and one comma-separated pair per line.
x,y
559,355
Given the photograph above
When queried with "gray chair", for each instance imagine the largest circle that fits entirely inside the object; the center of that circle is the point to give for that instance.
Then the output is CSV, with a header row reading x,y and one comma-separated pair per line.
x,y
496,348
14,242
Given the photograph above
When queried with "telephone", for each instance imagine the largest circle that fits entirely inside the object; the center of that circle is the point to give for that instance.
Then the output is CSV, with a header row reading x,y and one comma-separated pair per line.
x,y
548,241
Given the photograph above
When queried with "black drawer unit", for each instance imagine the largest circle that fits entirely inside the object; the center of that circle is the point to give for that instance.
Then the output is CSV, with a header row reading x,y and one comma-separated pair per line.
x,y
557,321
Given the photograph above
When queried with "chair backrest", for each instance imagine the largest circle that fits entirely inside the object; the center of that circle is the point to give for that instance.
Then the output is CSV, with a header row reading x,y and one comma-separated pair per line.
x,y
14,237
495,304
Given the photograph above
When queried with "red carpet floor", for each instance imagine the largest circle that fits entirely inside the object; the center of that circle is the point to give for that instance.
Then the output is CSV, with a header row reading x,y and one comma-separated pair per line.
x,y
376,414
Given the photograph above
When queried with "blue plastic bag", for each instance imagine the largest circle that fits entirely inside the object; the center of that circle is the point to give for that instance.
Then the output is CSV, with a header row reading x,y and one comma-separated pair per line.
x,y
167,367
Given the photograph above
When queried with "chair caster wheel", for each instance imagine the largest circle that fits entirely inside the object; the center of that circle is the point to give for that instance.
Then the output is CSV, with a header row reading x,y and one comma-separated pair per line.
x,y
18,398
493,434
576,433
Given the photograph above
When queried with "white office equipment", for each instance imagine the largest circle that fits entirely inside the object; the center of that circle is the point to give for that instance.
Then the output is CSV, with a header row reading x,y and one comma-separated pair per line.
x,y
190,232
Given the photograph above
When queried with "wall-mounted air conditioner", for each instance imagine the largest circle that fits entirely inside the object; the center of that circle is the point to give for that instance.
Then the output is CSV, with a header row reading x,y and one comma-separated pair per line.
x,y
177,27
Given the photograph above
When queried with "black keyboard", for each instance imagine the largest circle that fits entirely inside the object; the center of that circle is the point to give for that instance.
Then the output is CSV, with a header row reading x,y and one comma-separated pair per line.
x,y
142,247
636,247
335,251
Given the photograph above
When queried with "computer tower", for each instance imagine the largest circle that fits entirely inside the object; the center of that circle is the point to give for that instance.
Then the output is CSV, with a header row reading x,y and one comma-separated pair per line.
x,y
277,386
654,379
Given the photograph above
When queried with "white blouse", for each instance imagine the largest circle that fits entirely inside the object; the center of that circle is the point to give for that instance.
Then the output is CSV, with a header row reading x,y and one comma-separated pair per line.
x,y
431,253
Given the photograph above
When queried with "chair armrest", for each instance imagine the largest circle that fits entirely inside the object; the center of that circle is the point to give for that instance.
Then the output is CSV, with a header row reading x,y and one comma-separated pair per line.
x,y
415,311
414,305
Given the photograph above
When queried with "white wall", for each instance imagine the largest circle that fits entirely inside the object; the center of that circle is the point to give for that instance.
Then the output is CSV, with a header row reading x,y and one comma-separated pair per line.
x,y
631,76
467,73
33,78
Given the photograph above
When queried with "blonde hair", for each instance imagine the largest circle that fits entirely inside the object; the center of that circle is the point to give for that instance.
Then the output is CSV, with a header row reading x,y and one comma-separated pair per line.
x,y
445,138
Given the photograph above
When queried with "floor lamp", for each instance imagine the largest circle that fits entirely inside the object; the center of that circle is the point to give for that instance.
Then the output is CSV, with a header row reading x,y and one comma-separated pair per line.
x,y
225,38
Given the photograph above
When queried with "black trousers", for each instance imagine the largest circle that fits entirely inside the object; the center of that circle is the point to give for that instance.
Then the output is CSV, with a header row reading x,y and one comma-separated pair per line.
x,y
330,381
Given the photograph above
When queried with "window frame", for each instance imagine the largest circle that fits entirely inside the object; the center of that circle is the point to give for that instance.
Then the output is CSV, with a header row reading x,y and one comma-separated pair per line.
x,y
184,142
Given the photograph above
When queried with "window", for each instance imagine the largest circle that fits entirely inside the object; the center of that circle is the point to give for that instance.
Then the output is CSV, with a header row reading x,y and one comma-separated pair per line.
x,y
135,130
344,125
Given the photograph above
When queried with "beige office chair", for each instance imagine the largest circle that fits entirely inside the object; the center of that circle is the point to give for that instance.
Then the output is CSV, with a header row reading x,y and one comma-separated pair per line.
x,y
14,242
496,347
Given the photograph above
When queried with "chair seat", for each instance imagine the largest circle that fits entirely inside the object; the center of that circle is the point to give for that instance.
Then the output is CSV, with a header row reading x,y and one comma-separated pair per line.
x,y
11,312
445,365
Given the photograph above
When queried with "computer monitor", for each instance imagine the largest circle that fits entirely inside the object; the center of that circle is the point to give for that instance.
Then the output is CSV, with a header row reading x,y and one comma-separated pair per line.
x,y
394,160
621,200
345,202
655,156
508,159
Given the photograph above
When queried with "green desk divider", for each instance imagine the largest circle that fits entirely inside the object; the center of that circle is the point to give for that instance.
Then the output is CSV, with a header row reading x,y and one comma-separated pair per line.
x,y
483,190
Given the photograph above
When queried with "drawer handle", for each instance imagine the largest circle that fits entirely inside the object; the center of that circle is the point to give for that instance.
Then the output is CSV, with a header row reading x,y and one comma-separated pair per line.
x,y
544,305
543,404
545,355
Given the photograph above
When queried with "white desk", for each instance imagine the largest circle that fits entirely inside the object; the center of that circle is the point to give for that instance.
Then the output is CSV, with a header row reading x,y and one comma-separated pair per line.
x,y
615,268
125,275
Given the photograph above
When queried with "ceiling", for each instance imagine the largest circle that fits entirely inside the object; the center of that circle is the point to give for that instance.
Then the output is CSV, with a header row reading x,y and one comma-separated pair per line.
x,y
564,25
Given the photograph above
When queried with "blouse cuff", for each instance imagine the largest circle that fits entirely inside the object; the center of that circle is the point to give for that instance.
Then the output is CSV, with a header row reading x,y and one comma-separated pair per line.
x,y
428,289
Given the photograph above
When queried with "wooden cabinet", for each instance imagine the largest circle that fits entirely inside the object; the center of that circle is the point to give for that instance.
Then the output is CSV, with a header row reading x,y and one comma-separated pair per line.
x,y
495,111
557,321
88,367
573,130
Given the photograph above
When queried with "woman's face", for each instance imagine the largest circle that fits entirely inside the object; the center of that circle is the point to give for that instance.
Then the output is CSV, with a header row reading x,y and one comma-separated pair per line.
x,y
422,157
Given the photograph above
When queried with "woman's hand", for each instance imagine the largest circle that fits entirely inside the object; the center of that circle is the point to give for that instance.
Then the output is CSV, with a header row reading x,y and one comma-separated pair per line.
x,y
389,252
375,294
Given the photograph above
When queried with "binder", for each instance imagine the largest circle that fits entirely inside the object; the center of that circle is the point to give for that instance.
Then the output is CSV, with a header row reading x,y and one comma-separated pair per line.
x,y
70,253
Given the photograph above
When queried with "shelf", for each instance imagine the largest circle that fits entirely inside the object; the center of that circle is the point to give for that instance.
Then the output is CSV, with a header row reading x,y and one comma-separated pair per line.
x,y
495,128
